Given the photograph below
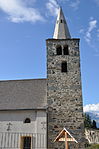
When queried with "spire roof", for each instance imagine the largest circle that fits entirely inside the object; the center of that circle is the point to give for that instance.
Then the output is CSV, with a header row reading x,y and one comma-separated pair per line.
x,y
61,29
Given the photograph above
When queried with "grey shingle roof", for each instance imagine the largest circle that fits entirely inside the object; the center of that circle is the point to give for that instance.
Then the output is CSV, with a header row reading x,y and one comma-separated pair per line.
x,y
23,94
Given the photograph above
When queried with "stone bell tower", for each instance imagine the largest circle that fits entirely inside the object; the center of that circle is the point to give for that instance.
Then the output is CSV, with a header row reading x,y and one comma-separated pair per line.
x,y
64,92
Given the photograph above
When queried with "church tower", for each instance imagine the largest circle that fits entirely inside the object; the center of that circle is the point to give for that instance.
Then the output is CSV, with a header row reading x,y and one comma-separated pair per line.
x,y
64,92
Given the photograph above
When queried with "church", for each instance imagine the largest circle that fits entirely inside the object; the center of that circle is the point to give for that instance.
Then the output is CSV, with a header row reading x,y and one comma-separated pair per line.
x,y
34,111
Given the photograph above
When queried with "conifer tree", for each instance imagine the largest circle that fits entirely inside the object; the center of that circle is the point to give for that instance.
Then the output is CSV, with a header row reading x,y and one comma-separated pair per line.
x,y
87,121
94,124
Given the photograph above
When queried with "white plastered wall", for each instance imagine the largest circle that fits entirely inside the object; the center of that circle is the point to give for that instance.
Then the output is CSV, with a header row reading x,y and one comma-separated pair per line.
x,y
37,128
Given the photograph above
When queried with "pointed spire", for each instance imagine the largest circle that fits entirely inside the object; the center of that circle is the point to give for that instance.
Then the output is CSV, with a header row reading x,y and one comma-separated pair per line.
x,y
61,28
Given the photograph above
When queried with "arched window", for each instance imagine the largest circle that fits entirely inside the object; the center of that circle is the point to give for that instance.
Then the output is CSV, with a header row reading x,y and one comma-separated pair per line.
x,y
27,120
65,50
59,50
64,67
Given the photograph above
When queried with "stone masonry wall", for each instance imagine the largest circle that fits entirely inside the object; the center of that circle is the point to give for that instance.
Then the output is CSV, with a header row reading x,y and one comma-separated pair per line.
x,y
64,94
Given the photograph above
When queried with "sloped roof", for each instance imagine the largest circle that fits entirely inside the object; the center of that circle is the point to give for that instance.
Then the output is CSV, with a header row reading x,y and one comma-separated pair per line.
x,y
61,136
23,94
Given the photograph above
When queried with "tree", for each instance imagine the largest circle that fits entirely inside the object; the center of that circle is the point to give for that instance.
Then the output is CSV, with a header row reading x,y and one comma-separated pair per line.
x,y
94,124
87,121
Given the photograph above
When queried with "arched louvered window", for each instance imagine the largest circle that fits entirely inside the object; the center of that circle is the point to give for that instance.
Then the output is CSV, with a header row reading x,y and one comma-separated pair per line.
x,y
27,120
59,50
65,50
64,67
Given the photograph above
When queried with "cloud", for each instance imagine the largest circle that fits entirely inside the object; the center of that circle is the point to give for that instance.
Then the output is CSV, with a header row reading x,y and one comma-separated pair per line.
x,y
29,2
81,31
20,11
75,4
98,34
97,2
91,108
53,7
92,26
93,111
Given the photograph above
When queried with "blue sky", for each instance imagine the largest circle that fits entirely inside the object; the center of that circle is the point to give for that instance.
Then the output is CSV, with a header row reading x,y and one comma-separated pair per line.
x,y
26,24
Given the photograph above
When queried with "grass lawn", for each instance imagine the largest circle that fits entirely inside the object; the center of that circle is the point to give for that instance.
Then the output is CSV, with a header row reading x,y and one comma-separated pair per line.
x,y
95,146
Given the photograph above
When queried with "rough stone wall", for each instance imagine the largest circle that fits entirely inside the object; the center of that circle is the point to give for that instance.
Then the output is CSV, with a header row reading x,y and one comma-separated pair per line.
x,y
92,136
64,94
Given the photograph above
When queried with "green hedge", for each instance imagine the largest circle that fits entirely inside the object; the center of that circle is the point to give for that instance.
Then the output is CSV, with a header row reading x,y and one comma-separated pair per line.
x,y
95,146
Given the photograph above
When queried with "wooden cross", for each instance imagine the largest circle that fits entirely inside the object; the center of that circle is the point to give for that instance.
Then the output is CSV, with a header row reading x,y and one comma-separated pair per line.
x,y
66,142
63,136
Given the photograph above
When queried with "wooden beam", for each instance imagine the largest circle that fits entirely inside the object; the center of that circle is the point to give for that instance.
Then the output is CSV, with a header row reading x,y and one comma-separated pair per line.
x,y
68,139
66,142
